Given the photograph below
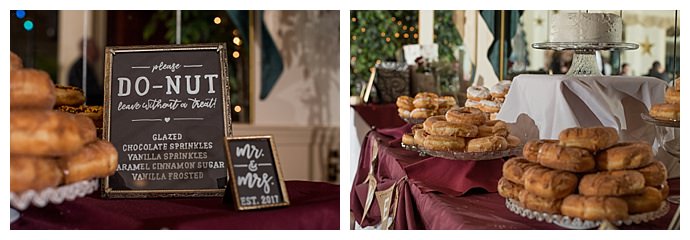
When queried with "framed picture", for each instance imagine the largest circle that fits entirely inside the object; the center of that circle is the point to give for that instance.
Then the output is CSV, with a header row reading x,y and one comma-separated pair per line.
x,y
167,112
256,176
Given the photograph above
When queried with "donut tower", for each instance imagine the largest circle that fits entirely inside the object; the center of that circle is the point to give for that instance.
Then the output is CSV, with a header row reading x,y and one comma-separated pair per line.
x,y
671,109
49,148
462,129
424,105
586,174
489,100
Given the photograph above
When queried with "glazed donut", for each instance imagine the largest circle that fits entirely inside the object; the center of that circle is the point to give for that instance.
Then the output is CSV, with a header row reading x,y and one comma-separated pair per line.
x,y
15,62
537,203
444,128
97,159
489,106
565,158
428,124
677,84
404,102
624,156
471,103
513,141
421,113
672,96
508,189
549,183
403,113
501,100
419,136
49,133
466,115
654,174
487,144
425,95
69,96
592,139
427,102
515,168
408,139
447,101
499,90
444,143
478,93
649,200
442,110
31,89
30,172
594,208
531,149
664,189
667,111
612,183
493,127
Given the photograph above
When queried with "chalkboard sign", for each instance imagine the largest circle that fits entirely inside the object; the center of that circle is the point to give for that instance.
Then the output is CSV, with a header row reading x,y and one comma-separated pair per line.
x,y
167,112
257,180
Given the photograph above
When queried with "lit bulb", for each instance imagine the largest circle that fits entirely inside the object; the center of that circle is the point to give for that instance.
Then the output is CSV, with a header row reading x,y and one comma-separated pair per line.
x,y
236,41
217,20
238,108
236,54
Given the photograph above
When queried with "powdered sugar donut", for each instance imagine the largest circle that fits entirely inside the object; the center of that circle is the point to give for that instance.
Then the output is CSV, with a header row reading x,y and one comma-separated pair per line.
x,y
478,93
499,90
490,106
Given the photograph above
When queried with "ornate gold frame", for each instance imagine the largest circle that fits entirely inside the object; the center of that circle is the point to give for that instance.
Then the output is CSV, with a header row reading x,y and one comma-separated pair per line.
x,y
106,190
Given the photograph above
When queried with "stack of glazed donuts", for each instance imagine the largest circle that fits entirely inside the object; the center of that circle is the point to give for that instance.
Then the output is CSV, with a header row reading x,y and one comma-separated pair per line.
x,y
489,100
586,174
462,129
71,100
47,147
424,105
671,109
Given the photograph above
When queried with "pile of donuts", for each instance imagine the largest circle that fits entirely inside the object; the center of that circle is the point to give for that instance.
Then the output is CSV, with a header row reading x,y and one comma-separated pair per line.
x,y
424,105
489,100
670,110
47,147
462,129
587,174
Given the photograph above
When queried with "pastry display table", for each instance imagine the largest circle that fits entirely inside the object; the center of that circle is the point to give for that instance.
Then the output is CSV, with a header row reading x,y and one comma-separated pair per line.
x,y
313,205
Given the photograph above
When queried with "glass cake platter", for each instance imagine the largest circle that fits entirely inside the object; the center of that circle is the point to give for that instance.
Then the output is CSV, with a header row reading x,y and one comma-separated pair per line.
x,y
659,122
467,156
584,59
55,195
577,223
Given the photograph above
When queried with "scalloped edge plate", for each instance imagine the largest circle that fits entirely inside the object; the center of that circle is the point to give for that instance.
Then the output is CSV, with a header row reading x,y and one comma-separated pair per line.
x,y
55,195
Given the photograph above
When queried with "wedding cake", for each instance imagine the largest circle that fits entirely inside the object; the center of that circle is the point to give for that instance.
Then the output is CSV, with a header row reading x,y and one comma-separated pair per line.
x,y
585,27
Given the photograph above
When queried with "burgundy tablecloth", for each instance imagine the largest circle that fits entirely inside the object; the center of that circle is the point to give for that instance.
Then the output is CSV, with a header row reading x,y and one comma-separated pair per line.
x,y
429,174
313,205
379,115
437,193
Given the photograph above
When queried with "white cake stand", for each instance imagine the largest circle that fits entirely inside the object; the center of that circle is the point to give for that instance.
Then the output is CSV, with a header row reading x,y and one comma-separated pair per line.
x,y
584,59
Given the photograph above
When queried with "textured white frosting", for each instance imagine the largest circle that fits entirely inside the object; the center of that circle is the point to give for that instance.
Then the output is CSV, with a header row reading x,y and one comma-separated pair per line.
x,y
585,27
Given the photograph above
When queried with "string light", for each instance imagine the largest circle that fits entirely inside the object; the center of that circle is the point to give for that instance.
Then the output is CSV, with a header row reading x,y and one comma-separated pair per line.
x,y
399,23
236,41
28,25
383,34
354,38
20,14
238,108
378,61
397,35
393,19
388,39
354,19
404,27
415,36
406,35
217,20
411,28
236,54
235,32
363,29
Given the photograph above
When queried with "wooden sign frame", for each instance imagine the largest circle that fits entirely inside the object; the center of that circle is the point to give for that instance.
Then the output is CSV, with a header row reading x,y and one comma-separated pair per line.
x,y
232,184
224,103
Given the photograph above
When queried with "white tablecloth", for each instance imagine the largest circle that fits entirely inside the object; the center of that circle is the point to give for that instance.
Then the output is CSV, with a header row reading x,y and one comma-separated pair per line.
x,y
540,106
